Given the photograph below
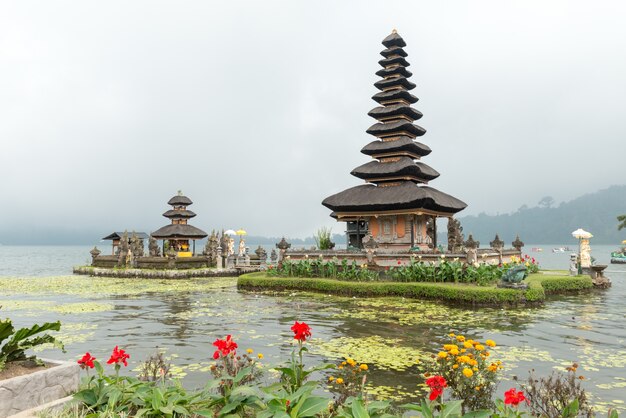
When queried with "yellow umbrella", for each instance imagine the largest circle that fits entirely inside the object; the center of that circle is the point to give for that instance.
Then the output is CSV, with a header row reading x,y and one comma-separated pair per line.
x,y
624,242
241,232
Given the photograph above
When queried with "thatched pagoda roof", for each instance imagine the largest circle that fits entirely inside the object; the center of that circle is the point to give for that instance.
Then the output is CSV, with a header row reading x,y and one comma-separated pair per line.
x,y
402,168
118,235
179,214
400,127
405,144
179,231
179,200
405,196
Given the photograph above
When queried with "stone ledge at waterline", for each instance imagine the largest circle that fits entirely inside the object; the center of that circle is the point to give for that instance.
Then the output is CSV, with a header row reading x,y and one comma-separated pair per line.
x,y
24,392
159,274
540,285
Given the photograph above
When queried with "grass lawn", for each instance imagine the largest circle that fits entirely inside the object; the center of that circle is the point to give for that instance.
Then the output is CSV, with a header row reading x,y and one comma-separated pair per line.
x,y
540,285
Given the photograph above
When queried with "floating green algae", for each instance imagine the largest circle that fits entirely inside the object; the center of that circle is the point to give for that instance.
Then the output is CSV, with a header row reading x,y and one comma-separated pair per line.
x,y
105,286
384,353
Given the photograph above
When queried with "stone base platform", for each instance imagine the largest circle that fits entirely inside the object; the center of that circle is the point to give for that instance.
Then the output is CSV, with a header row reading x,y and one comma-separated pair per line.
x,y
161,274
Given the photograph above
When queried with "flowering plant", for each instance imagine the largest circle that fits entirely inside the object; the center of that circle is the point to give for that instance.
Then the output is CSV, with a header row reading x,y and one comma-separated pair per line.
x,y
465,365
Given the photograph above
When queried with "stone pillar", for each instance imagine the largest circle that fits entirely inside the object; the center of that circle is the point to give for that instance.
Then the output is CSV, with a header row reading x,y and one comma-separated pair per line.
x,y
282,246
218,258
497,244
94,254
585,254
573,265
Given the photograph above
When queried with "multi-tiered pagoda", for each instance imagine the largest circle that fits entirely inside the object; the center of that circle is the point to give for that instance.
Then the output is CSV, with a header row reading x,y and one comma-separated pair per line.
x,y
179,232
396,206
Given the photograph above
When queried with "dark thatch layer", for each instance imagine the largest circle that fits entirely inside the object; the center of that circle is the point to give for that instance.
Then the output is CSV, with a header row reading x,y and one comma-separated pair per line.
x,y
181,231
389,128
407,195
179,200
179,214
405,166
395,110
384,96
394,40
385,72
404,144
386,62
118,235
394,50
394,82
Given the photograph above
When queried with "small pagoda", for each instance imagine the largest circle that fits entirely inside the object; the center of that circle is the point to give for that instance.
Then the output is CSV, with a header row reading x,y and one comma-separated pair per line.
x,y
395,206
179,233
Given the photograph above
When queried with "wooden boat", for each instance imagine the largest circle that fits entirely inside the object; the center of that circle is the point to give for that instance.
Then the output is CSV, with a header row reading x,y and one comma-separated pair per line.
x,y
619,257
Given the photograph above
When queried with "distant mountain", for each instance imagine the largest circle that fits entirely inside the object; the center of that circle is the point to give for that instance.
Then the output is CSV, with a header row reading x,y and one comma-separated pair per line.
x,y
548,224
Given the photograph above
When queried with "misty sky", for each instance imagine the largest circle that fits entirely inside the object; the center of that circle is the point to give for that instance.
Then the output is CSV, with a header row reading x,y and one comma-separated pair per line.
x,y
257,110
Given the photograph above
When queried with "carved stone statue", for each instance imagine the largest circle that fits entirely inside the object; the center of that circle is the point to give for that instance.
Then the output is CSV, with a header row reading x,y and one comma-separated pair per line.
x,y
123,253
210,249
430,232
262,254
517,244
231,246
273,256
136,246
242,247
282,246
455,235
94,254
370,245
153,248
497,244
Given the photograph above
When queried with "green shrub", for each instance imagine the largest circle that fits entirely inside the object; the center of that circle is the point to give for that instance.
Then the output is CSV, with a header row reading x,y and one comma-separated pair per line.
x,y
18,341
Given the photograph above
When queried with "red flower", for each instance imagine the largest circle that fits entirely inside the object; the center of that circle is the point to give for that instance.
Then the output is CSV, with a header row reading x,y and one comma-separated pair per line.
x,y
399,262
118,356
224,347
513,397
436,384
86,361
301,330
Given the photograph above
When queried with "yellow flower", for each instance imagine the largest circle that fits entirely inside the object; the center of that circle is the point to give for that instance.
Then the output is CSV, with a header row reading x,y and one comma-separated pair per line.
x,y
477,388
363,366
460,338
475,369
442,354
463,359
473,362
468,344
454,352
455,366
479,347
450,347
463,350
492,367
490,343
260,356
468,372
343,363
340,380
249,351
452,335
331,378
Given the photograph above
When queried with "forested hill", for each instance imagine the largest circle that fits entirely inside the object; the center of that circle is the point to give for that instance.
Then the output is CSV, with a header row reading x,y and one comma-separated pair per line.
x,y
549,224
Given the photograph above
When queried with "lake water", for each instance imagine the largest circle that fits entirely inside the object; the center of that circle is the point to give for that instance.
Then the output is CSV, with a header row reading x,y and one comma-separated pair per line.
x,y
390,334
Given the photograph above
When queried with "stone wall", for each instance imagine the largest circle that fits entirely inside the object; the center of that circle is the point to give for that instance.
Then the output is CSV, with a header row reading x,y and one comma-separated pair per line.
x,y
24,392
160,274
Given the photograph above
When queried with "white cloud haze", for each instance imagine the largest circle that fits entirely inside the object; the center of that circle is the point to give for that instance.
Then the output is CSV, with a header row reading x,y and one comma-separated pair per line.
x,y
257,110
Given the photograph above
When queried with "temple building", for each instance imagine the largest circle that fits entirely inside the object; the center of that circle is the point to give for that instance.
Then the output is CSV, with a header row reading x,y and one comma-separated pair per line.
x,y
396,205
116,238
179,233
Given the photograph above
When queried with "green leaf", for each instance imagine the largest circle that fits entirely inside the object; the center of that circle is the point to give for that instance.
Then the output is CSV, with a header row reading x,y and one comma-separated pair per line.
x,y
313,406
358,409
6,329
478,414
231,406
451,409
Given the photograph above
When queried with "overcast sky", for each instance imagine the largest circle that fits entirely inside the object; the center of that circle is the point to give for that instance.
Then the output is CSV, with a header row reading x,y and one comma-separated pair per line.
x,y
257,110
